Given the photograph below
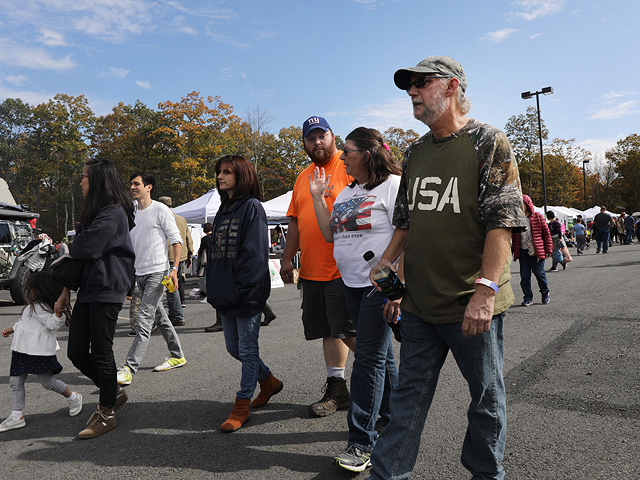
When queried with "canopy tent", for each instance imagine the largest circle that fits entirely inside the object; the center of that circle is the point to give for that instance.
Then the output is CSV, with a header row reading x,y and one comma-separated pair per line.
x,y
203,209
276,208
200,210
590,213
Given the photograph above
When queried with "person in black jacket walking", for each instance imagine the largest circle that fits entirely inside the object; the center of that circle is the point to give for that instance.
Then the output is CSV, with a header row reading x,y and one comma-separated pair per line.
x,y
102,241
238,280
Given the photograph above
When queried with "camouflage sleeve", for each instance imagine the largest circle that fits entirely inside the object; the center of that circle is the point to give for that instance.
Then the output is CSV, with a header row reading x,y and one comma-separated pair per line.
x,y
500,194
401,208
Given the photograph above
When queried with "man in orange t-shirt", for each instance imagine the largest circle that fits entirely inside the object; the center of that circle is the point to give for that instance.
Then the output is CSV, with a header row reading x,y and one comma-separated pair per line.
x,y
324,311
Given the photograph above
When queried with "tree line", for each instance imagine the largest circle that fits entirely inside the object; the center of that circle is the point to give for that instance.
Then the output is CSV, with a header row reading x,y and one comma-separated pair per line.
x,y
43,149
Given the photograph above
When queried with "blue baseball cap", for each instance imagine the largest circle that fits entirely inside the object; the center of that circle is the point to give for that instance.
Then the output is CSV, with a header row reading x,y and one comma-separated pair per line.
x,y
312,123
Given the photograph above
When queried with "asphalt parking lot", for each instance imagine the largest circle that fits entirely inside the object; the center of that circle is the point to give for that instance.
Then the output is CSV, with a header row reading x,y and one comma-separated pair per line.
x,y
571,370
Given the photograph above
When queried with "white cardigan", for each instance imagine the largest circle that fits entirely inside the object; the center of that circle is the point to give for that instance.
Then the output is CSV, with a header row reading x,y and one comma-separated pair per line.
x,y
34,333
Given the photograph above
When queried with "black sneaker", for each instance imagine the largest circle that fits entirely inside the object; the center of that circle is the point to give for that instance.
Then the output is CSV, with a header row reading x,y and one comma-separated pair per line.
x,y
336,397
353,459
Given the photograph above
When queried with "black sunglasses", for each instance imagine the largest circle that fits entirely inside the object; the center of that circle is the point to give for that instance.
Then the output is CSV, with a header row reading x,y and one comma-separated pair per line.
x,y
421,82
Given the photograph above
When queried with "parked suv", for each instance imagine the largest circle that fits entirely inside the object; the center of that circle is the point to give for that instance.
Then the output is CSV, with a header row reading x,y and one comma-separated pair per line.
x,y
15,234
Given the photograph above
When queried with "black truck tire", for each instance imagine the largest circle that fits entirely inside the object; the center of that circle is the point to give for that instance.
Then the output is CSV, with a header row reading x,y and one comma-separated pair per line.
x,y
18,284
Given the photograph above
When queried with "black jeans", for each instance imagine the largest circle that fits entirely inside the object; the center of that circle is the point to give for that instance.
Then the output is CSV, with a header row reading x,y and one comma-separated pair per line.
x,y
90,348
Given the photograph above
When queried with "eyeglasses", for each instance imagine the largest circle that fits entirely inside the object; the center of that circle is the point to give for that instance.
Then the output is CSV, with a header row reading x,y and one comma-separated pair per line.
x,y
421,82
346,152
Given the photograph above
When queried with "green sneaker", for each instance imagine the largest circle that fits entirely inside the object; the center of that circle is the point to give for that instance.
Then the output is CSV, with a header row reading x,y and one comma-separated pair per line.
x,y
170,362
353,459
124,375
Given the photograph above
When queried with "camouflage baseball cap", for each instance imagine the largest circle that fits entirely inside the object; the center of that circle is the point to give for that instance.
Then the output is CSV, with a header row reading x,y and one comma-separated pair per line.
x,y
444,66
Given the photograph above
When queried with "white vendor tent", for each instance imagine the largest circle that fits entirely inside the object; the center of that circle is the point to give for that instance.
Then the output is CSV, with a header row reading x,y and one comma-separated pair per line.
x,y
276,208
200,210
203,209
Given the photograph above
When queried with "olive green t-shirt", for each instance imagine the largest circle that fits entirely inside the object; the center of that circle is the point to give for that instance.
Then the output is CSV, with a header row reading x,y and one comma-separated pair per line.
x,y
453,190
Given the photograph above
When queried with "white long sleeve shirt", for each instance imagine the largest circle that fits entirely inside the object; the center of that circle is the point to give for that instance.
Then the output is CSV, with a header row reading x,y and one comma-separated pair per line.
x,y
154,226
34,333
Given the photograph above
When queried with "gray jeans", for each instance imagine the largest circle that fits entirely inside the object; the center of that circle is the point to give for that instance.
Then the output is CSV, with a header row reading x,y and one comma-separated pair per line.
x,y
151,313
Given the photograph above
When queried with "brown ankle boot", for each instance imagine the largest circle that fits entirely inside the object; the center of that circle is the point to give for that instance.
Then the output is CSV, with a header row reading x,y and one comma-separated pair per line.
x,y
269,386
121,398
101,421
239,415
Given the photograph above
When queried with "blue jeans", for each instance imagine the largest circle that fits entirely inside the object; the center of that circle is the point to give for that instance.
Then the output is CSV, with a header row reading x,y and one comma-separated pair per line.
x,y
602,237
173,299
374,371
151,313
424,349
629,236
241,338
530,265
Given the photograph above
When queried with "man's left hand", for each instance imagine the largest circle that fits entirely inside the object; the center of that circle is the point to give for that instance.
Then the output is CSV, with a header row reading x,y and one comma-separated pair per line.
x,y
188,262
479,312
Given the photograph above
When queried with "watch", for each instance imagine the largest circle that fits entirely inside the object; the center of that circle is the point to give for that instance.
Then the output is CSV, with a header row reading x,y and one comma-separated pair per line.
x,y
488,283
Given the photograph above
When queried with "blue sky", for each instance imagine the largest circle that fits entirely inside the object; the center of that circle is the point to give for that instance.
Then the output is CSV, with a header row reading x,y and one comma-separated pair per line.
x,y
334,58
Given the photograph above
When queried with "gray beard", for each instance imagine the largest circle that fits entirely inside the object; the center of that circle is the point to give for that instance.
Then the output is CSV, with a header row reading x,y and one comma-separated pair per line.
x,y
431,115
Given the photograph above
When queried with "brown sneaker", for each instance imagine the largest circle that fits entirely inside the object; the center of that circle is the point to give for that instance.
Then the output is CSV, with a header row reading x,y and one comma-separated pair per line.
x,y
121,398
336,397
101,421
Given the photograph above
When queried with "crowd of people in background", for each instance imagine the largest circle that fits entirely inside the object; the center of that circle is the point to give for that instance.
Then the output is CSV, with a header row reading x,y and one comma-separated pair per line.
x,y
461,174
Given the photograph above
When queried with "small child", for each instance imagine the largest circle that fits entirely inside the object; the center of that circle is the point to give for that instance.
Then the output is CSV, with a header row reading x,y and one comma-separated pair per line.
x,y
34,347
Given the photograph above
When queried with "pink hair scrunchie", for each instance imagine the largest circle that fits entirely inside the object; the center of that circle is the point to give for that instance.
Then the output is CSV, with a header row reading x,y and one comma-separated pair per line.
x,y
386,147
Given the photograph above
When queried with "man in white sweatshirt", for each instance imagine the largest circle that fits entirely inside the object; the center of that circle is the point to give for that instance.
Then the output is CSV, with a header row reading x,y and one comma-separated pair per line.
x,y
155,224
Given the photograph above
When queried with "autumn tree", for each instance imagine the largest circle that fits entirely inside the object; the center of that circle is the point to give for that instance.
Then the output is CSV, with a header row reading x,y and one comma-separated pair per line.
x,y
130,137
57,140
285,158
195,131
399,140
523,134
14,118
625,160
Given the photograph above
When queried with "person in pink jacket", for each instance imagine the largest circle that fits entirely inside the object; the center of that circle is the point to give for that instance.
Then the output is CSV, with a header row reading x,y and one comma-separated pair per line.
x,y
532,247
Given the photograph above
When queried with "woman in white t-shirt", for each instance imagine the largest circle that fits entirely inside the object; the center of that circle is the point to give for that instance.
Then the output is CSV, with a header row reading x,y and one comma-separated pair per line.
x,y
361,221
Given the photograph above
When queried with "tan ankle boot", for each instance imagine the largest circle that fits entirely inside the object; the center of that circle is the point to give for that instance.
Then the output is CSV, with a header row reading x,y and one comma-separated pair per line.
x,y
269,386
101,421
239,415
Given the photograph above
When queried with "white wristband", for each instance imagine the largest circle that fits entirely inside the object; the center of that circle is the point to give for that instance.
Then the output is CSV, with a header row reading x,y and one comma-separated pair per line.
x,y
488,283
175,268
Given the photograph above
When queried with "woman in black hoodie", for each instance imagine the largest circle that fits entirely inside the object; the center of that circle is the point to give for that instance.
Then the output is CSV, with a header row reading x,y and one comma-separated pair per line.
x,y
102,241
238,280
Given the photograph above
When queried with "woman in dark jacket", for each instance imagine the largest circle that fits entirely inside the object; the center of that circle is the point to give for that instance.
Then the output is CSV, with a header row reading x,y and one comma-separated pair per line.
x,y
102,241
238,280
532,248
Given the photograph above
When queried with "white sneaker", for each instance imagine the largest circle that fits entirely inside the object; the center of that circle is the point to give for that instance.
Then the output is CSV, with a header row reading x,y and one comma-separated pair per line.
x,y
75,406
10,424
170,362
124,375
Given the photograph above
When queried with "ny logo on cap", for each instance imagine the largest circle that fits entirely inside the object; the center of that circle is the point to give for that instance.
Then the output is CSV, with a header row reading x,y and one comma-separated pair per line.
x,y
313,120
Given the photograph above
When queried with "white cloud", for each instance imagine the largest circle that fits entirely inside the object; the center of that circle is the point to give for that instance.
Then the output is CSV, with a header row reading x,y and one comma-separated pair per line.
x,y
394,113
614,105
51,38
532,9
142,84
535,35
188,30
18,56
499,35
27,96
225,39
598,145
16,79
115,72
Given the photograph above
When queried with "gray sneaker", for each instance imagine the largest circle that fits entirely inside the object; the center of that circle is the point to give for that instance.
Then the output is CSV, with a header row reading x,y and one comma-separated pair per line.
x,y
336,397
353,459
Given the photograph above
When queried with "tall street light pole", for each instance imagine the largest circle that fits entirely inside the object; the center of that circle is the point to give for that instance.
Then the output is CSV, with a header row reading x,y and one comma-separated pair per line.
x,y
584,175
525,96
